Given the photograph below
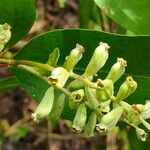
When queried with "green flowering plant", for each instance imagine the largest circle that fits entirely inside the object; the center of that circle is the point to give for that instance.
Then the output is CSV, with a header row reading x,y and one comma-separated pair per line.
x,y
84,93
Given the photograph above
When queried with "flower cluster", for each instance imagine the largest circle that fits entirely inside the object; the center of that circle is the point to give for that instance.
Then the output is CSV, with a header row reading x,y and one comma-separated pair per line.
x,y
106,108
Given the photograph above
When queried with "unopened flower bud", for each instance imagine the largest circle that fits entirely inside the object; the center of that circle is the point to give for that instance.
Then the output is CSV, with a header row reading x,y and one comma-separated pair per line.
x,y
91,98
117,70
58,107
5,35
76,84
109,120
91,124
53,57
141,134
105,107
45,106
75,98
146,111
80,118
105,90
98,59
59,76
126,89
73,58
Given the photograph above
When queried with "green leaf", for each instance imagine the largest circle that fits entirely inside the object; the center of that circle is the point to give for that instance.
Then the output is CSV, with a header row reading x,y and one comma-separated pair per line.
x,y
131,14
34,86
8,84
20,14
134,49
2,137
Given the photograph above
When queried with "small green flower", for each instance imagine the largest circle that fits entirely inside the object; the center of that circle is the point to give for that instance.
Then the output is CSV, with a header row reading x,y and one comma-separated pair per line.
x,y
91,124
117,70
105,107
45,106
109,121
105,90
75,98
145,114
126,89
76,84
73,58
58,107
91,98
141,134
98,60
80,118
59,76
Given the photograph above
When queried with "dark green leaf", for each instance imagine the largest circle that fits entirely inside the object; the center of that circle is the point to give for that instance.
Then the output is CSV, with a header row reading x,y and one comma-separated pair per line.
x,y
20,14
131,14
85,12
8,84
34,86
134,49
2,137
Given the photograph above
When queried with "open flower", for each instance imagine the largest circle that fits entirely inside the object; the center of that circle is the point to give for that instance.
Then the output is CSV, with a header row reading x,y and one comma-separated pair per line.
x,y
75,98
105,89
141,134
109,121
59,76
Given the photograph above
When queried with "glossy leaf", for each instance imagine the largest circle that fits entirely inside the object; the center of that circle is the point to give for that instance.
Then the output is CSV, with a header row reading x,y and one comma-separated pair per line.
x,y
134,49
131,14
20,14
8,84
34,86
